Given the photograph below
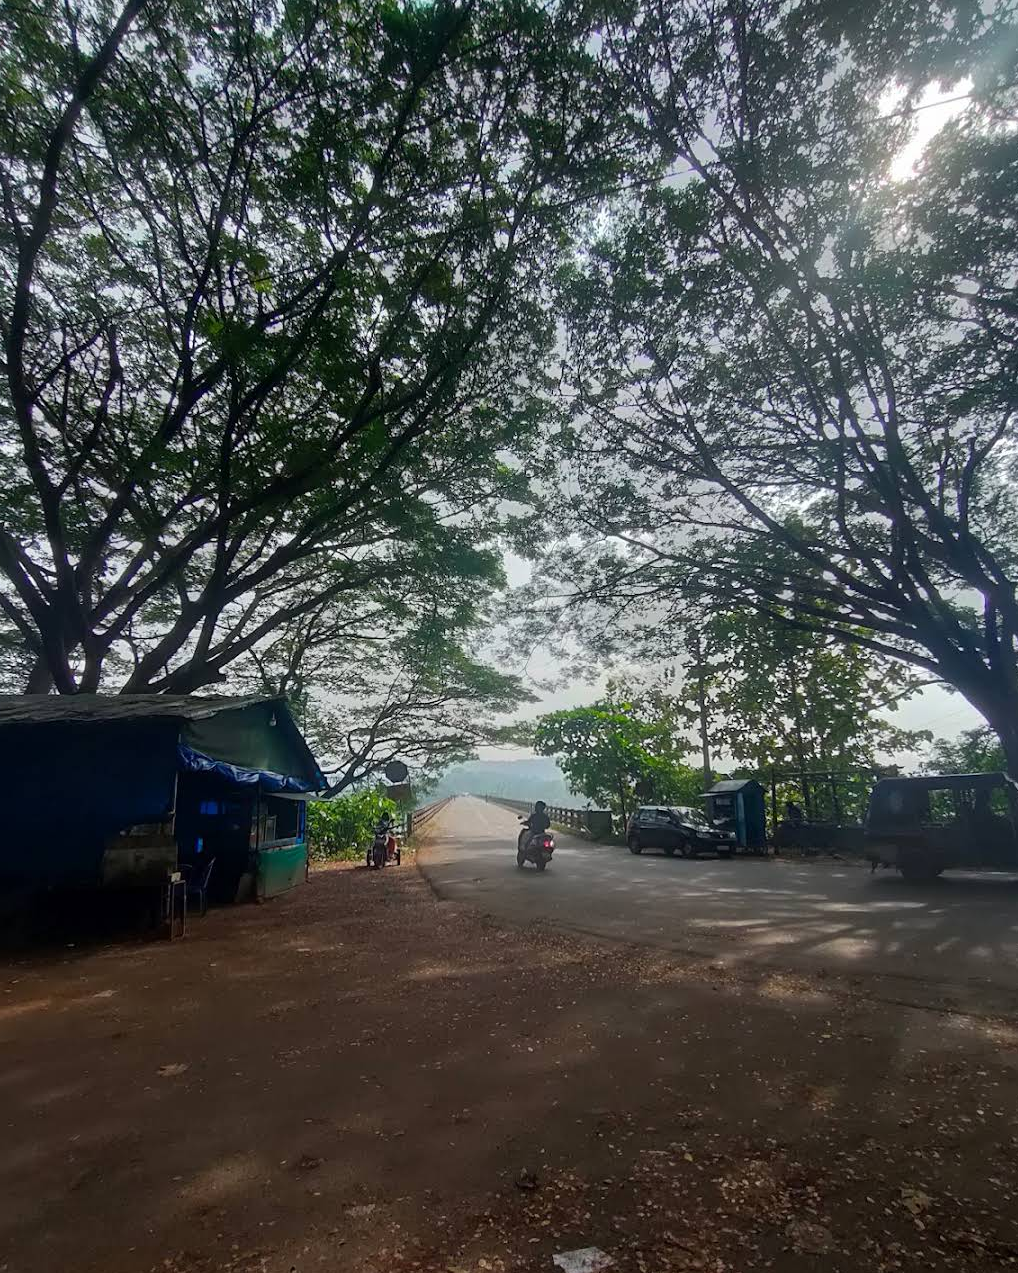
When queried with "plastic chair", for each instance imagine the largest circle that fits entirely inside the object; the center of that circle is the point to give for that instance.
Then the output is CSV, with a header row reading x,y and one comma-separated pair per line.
x,y
198,875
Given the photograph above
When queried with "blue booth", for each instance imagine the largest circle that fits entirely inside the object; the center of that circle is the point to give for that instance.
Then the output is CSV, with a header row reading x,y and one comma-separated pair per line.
x,y
737,804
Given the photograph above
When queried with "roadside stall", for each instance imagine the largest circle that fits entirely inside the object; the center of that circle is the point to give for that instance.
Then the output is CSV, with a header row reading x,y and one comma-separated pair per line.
x,y
146,791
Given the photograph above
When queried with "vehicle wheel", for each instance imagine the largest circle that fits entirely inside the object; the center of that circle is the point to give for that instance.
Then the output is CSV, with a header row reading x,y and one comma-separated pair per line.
x,y
685,850
634,845
541,863
520,859
378,858
399,856
669,850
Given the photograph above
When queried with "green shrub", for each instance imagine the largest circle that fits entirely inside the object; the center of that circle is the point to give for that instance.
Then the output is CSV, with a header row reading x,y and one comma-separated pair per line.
x,y
342,829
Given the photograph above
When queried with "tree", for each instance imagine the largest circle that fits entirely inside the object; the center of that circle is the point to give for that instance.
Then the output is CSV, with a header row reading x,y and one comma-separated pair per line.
x,y
272,298
788,698
613,747
412,692
794,374
974,751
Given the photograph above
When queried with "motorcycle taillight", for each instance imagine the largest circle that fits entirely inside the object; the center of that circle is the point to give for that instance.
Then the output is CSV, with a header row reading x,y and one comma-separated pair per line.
x,y
549,843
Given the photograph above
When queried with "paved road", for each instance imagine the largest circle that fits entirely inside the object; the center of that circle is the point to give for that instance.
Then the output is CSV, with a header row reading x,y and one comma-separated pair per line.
x,y
959,934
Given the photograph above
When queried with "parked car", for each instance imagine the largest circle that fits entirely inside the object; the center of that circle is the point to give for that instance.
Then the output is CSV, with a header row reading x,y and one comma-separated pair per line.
x,y
677,829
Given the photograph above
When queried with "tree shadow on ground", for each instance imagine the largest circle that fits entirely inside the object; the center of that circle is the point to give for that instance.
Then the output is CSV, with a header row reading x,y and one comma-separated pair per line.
x,y
958,931
354,1075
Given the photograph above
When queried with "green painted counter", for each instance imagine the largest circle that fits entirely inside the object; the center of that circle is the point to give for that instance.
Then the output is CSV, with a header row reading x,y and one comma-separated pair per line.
x,y
280,869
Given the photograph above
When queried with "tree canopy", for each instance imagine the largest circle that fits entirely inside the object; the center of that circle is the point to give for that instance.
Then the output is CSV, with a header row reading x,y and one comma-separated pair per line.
x,y
791,368
282,284
616,752
974,751
775,696
273,304
412,691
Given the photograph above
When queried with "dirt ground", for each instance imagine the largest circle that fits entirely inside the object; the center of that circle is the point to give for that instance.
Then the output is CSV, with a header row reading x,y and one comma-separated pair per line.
x,y
361,1077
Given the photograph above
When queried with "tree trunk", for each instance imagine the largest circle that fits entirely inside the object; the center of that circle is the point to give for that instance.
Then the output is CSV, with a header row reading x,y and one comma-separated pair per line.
x,y
1005,726
800,746
40,679
622,803
995,697
701,702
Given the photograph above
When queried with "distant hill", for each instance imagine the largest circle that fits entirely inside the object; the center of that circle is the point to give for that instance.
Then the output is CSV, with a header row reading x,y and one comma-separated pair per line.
x,y
529,778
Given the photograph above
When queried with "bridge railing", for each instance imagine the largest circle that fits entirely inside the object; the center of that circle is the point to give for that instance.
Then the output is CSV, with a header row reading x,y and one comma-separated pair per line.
x,y
418,818
517,806
595,822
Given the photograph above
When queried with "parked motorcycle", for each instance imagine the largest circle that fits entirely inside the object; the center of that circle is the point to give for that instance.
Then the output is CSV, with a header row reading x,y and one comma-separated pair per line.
x,y
536,847
384,847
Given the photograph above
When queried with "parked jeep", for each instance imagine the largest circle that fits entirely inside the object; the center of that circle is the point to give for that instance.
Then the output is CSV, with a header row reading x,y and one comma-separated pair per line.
x,y
677,829
940,822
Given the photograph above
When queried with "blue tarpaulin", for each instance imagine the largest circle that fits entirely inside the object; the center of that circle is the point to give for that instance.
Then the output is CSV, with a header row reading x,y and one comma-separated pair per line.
x,y
70,788
196,762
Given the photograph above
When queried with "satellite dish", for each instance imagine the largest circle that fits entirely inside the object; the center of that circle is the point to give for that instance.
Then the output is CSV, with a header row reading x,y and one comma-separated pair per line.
x,y
396,771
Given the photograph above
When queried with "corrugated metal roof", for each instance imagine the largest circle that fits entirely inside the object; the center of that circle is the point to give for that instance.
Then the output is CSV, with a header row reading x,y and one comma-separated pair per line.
x,y
731,784
36,709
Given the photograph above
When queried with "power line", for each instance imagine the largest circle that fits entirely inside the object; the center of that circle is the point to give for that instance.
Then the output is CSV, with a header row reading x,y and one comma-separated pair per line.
x,y
927,106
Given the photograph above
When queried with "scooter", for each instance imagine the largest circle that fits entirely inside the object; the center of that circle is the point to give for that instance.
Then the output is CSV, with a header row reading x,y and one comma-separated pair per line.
x,y
537,848
384,847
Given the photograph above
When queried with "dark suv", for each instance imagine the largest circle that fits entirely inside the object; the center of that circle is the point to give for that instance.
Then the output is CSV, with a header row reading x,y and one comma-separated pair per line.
x,y
677,829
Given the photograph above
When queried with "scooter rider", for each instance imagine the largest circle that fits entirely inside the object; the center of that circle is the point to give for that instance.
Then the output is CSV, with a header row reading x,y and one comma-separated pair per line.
x,y
387,827
536,824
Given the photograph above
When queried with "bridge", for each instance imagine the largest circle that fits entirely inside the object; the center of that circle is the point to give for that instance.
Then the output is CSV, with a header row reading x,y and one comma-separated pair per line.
x,y
953,941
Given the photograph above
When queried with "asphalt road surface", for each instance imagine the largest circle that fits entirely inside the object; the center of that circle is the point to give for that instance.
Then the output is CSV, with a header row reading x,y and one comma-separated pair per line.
x,y
956,937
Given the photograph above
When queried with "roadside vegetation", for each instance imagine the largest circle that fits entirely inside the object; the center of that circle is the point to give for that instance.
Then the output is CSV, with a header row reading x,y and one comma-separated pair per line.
x,y
341,829
974,751
615,750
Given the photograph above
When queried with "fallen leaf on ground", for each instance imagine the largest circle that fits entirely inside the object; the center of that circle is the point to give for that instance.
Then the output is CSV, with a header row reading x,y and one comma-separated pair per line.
x,y
915,1200
588,1259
